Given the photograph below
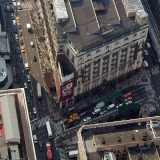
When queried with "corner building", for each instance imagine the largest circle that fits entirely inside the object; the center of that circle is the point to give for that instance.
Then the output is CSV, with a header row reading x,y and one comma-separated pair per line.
x,y
93,42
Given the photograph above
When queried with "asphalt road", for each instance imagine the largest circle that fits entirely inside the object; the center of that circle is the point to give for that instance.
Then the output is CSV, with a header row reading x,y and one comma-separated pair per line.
x,y
42,136
35,72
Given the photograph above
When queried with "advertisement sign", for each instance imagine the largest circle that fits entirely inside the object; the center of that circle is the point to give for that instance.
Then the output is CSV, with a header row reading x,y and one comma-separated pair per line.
x,y
67,90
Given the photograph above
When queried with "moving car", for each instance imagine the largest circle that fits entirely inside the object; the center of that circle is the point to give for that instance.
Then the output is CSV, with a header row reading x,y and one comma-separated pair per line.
x,y
25,85
16,36
40,146
12,16
23,74
31,93
28,100
20,58
34,110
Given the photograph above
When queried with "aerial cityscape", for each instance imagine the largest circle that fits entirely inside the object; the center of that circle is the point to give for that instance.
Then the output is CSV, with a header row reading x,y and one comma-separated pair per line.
x,y
79,79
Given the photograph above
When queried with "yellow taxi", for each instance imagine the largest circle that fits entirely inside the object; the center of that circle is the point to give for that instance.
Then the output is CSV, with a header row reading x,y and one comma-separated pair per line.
x,y
18,19
127,94
129,98
64,120
23,49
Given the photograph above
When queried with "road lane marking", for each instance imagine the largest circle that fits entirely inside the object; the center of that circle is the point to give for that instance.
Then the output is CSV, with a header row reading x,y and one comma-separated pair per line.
x,y
137,89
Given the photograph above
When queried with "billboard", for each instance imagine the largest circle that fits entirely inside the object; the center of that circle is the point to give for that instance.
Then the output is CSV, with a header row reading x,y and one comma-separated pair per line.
x,y
67,90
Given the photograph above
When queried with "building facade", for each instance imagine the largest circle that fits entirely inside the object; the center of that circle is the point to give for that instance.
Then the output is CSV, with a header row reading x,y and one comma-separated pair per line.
x,y
93,42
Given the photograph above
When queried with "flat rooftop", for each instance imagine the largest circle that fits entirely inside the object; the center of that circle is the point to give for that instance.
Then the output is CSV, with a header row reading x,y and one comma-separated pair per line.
x,y
90,19
3,69
97,138
24,121
3,43
146,152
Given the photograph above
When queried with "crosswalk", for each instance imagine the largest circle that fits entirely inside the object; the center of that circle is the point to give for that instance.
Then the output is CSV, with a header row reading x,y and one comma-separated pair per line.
x,y
57,128
155,70
39,123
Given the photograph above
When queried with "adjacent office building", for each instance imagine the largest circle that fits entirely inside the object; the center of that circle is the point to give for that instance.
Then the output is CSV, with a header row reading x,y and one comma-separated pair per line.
x,y
135,139
93,42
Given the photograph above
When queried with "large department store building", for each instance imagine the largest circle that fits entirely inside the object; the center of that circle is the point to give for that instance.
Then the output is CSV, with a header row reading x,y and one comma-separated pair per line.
x,y
93,42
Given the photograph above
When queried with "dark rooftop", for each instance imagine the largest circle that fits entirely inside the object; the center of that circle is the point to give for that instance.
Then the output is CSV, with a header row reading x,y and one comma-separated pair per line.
x,y
95,22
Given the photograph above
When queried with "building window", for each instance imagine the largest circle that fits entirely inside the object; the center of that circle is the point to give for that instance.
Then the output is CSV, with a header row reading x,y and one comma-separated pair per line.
x,y
78,83
79,72
134,35
98,51
80,61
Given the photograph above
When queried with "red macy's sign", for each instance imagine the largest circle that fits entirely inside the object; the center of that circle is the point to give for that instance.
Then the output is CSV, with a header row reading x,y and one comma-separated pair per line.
x,y
67,90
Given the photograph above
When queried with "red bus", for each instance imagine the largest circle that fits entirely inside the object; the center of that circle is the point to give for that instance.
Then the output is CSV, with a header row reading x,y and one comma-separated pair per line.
x,y
49,151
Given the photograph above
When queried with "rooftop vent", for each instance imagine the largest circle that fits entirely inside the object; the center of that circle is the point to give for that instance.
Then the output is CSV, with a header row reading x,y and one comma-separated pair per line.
x,y
99,6
103,141
132,137
118,138
144,137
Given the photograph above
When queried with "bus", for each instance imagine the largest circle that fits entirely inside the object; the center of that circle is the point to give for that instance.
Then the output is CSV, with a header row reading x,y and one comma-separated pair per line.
x,y
39,93
49,151
49,129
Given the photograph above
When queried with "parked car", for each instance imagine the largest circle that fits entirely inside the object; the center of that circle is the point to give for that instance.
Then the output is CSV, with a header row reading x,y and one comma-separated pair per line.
x,y
30,115
103,112
21,41
23,49
64,120
20,32
34,59
86,119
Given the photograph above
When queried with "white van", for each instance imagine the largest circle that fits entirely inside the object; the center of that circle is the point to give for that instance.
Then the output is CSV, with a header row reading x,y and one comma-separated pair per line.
x,y
145,63
146,53
28,78
14,22
148,45
111,106
96,111
35,138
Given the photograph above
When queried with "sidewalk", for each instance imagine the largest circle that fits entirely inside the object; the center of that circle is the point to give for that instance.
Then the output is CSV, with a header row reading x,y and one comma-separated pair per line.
x,y
137,79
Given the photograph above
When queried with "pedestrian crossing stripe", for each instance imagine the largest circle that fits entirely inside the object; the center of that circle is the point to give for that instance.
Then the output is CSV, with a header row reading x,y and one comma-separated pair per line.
x,y
40,122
